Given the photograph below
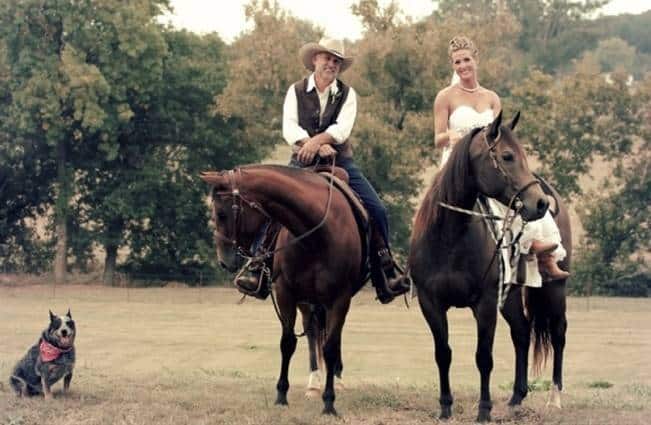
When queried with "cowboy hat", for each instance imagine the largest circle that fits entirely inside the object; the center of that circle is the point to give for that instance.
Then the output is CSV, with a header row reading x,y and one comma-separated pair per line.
x,y
328,45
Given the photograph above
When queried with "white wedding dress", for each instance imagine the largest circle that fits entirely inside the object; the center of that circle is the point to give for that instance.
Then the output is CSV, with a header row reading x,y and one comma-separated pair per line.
x,y
463,119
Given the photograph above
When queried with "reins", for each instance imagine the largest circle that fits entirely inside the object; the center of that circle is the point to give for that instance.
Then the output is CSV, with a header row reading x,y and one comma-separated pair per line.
x,y
513,209
237,211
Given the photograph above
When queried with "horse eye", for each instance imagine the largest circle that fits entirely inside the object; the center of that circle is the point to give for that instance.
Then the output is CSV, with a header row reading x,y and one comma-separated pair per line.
x,y
507,156
221,216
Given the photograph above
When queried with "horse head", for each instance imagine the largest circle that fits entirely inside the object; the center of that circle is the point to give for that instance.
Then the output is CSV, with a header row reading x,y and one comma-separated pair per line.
x,y
500,166
237,220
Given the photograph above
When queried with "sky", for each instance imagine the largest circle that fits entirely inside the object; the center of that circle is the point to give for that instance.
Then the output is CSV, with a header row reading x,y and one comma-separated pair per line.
x,y
227,16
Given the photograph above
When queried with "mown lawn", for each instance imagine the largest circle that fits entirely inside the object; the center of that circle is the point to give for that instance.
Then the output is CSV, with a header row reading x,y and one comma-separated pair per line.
x,y
185,355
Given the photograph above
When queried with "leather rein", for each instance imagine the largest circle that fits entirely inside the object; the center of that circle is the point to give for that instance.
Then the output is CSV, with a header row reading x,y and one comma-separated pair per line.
x,y
515,204
238,211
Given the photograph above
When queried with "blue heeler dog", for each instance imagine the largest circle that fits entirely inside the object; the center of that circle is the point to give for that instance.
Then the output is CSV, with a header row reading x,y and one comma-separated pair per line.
x,y
50,359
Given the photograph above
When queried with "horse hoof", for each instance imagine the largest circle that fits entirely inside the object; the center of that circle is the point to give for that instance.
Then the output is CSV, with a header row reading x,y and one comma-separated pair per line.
x,y
329,411
554,398
483,417
554,403
515,401
281,401
313,392
446,412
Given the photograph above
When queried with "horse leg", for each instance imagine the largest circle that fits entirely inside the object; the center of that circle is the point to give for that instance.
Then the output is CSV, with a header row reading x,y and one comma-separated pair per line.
x,y
513,312
437,320
335,318
558,328
311,328
287,308
486,317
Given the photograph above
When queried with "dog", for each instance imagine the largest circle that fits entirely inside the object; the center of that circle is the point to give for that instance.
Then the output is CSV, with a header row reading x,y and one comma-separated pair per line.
x,y
47,361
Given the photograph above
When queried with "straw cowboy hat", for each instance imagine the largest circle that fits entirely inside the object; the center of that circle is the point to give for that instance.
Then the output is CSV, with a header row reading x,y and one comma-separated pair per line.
x,y
328,45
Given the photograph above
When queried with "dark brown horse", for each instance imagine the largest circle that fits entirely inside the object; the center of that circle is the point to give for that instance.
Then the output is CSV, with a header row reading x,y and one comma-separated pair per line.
x,y
452,260
323,269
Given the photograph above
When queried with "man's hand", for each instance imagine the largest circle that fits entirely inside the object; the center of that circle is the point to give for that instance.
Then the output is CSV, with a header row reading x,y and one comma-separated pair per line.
x,y
326,151
308,151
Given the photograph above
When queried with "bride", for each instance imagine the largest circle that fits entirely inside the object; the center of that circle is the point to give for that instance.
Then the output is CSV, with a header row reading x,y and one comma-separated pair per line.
x,y
465,105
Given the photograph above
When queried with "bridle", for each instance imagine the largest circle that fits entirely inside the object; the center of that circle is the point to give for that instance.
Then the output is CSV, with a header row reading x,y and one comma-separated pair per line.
x,y
237,209
246,253
515,202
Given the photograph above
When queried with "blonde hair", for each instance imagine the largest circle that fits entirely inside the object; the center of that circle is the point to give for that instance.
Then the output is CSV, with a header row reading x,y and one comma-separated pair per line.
x,y
461,42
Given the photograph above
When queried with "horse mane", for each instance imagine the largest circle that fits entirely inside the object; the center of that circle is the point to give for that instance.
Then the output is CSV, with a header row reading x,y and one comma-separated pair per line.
x,y
447,186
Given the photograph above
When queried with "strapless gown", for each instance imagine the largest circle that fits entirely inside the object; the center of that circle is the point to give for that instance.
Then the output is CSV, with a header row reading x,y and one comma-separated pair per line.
x,y
465,118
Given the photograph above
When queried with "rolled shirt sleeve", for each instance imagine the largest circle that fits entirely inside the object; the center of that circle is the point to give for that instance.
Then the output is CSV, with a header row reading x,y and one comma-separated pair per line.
x,y
292,132
341,129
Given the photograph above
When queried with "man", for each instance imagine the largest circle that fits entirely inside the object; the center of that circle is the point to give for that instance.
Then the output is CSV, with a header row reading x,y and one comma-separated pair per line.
x,y
318,116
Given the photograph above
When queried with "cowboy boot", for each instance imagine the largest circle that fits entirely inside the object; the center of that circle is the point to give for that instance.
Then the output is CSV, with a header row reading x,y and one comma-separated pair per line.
x,y
253,281
253,278
549,269
389,280
396,281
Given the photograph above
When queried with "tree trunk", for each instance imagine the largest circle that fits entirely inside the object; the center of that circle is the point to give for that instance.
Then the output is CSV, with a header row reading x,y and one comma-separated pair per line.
x,y
61,216
109,265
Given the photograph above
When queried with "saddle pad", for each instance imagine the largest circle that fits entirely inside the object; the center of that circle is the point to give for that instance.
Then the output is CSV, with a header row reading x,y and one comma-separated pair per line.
x,y
353,199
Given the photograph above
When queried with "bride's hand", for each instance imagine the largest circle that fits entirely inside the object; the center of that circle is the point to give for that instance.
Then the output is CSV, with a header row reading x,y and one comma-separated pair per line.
x,y
453,137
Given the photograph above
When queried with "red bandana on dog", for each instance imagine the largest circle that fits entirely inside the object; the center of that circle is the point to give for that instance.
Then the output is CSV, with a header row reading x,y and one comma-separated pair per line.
x,y
49,352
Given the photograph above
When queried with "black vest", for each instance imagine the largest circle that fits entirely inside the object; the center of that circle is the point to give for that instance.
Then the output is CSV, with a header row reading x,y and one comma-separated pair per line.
x,y
309,109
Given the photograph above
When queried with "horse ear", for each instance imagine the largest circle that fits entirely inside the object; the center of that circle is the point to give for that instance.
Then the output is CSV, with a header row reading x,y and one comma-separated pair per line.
x,y
52,316
514,121
495,126
213,178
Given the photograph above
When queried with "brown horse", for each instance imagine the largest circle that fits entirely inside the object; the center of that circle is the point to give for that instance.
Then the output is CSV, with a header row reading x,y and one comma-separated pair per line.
x,y
323,269
453,264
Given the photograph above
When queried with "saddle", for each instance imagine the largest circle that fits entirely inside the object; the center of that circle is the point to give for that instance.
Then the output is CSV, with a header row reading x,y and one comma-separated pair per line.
x,y
340,180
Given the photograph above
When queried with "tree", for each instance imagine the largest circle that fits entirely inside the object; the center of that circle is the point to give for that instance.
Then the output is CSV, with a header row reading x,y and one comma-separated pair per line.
x,y
615,54
568,121
554,31
263,64
616,218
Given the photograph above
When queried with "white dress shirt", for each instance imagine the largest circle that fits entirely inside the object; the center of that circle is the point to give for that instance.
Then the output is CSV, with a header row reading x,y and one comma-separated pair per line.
x,y
340,130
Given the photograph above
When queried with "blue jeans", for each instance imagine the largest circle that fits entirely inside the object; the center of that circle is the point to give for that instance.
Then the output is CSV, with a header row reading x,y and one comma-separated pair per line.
x,y
367,194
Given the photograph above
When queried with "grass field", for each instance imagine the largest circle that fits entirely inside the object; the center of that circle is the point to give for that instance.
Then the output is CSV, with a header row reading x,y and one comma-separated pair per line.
x,y
181,355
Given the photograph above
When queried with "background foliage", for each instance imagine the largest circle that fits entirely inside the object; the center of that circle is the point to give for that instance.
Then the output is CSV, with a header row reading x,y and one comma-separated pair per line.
x,y
107,116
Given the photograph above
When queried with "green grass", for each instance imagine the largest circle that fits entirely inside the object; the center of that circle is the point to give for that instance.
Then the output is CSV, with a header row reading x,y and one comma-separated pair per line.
x,y
188,355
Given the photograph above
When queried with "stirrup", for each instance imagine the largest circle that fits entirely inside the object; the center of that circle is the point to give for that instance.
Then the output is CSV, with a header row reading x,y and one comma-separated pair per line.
x,y
385,293
264,277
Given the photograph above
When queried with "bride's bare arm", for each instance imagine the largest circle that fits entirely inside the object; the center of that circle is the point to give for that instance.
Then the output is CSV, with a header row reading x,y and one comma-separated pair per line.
x,y
441,136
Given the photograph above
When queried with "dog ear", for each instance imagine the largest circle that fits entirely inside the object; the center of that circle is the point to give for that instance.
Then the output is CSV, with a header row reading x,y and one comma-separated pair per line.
x,y
52,316
68,314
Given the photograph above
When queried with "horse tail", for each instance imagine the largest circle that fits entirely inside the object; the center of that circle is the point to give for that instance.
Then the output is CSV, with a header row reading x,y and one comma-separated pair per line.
x,y
540,328
318,321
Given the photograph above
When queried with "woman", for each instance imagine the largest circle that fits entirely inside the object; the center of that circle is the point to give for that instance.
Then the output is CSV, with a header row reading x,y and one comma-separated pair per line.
x,y
465,105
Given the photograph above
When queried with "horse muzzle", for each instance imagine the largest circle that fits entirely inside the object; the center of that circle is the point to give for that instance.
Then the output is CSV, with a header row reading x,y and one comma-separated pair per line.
x,y
534,209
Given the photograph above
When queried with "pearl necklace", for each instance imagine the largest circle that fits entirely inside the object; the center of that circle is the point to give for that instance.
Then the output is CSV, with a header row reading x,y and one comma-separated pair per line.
x,y
469,90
